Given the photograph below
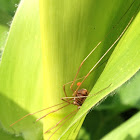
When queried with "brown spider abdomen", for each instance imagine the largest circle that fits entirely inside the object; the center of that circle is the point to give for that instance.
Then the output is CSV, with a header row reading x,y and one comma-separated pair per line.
x,y
80,93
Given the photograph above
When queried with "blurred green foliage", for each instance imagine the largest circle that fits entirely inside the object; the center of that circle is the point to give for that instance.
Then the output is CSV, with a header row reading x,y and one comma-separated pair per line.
x,y
114,111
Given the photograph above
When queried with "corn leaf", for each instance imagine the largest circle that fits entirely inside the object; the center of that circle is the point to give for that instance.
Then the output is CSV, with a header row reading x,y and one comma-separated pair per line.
x,y
20,73
128,130
69,31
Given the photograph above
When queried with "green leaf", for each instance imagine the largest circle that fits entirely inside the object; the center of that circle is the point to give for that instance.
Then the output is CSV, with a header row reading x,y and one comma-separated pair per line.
x,y
69,31
21,73
129,93
5,20
113,111
104,121
129,130
118,69
127,96
6,136
9,7
3,35
110,113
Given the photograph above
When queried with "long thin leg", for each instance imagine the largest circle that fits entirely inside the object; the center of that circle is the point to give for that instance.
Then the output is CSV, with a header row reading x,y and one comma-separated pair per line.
x,y
69,83
62,125
104,55
53,111
61,121
79,79
35,113
83,63
66,100
121,17
98,45
88,95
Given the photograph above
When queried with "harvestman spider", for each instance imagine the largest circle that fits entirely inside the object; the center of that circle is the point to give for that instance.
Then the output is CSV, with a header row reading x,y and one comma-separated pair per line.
x,y
79,95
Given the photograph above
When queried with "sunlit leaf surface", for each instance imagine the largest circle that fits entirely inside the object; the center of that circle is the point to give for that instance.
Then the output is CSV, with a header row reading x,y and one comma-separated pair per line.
x,y
20,73
70,30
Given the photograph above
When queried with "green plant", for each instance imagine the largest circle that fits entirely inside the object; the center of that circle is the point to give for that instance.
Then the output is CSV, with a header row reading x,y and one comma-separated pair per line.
x,y
69,31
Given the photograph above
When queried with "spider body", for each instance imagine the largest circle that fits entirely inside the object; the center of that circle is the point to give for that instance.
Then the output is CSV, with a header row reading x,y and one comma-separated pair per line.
x,y
80,93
